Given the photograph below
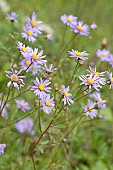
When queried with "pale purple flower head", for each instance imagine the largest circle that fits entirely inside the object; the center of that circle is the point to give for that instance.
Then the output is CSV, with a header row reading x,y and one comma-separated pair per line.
x,y
49,36
25,64
40,89
78,55
12,16
103,54
50,69
89,109
110,79
22,105
2,147
34,23
93,26
47,103
81,29
111,60
35,68
101,116
69,20
29,33
25,125
25,51
99,102
67,97
15,78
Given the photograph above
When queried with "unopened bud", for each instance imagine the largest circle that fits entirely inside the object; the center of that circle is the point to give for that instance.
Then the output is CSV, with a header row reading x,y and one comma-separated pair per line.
x,y
64,140
104,42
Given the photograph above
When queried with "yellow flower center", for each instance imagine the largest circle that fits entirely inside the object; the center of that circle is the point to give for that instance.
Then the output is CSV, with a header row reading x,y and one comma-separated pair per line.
x,y
66,94
69,19
48,103
100,100
35,57
80,28
24,49
14,77
41,87
33,23
90,81
27,62
29,32
96,74
90,109
78,53
103,55
111,79
34,67
22,104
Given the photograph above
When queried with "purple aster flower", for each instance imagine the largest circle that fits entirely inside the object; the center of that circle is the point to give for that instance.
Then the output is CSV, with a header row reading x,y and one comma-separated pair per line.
x,y
15,78
35,68
47,103
78,54
69,20
25,51
93,26
29,33
23,105
2,147
99,102
4,110
37,56
50,69
12,16
103,54
49,36
67,96
25,125
101,116
34,23
89,109
25,64
110,80
81,29
40,89
111,60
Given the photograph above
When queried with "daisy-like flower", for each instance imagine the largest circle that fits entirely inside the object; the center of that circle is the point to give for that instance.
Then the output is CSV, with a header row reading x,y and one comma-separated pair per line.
x,y
12,16
25,51
37,56
15,78
25,63
99,102
2,147
34,23
29,33
4,110
93,26
40,89
22,105
103,54
90,81
78,55
47,103
67,97
110,80
50,69
69,20
111,60
25,125
81,29
89,109
98,75
35,68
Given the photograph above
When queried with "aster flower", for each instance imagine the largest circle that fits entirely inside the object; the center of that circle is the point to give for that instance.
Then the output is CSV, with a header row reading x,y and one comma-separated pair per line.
x,y
89,109
103,54
67,96
99,102
34,23
78,55
69,20
47,103
110,80
25,51
2,147
29,33
12,16
25,64
40,89
93,26
25,125
4,113
101,116
50,69
22,105
37,56
35,68
15,78
81,29
111,60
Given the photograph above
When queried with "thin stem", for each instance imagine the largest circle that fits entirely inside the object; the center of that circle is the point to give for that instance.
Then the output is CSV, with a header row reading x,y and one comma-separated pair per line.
x,y
33,162
76,67
39,120
28,67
